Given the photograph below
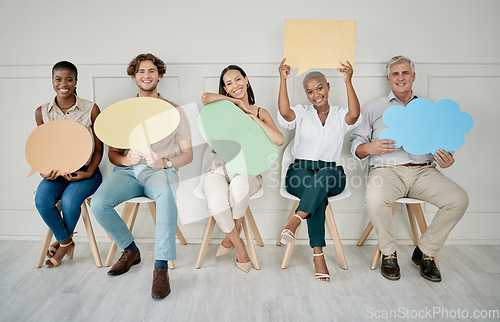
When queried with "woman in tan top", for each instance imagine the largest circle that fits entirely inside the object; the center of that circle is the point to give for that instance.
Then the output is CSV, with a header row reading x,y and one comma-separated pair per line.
x,y
69,188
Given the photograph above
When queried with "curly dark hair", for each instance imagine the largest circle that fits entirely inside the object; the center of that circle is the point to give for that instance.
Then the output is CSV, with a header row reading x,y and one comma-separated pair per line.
x,y
133,66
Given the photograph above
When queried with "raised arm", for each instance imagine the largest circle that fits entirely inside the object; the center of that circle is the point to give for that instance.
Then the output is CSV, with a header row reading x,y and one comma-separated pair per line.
x,y
283,101
352,99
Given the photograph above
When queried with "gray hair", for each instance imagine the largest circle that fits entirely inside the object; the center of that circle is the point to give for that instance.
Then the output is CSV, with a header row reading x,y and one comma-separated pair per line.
x,y
312,75
397,60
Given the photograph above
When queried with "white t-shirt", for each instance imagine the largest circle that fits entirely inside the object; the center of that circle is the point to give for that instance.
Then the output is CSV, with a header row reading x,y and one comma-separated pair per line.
x,y
316,142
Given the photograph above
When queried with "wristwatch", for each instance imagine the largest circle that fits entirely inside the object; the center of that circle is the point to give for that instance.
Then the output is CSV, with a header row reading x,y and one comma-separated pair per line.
x,y
167,164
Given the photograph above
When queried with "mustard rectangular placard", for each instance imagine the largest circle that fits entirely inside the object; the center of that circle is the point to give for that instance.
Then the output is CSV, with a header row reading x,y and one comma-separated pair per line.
x,y
319,43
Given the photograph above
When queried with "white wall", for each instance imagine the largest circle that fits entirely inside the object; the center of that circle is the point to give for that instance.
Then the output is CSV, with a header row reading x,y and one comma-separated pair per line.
x,y
454,44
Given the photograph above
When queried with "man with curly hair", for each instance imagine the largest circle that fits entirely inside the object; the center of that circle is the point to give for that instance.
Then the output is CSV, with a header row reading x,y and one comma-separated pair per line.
x,y
153,175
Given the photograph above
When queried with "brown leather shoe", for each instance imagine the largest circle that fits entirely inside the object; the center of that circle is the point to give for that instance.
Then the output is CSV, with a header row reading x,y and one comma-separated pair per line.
x,y
161,285
123,264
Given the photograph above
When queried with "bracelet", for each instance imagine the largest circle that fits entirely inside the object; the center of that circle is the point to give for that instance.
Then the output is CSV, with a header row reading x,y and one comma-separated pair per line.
x,y
164,163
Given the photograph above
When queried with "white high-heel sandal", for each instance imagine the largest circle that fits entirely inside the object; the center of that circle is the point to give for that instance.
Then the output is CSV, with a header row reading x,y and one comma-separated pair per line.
x,y
288,235
321,277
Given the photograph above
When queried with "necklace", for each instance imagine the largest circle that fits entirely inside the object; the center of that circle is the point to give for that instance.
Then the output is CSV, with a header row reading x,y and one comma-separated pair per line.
x,y
321,113
66,108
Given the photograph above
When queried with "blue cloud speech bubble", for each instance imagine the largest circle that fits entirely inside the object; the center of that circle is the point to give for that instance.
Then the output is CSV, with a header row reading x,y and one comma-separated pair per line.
x,y
425,127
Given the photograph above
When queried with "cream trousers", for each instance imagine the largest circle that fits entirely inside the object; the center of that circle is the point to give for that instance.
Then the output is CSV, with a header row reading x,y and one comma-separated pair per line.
x,y
387,183
227,199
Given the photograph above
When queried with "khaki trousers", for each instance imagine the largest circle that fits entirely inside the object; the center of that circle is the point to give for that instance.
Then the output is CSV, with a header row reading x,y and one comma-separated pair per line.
x,y
227,199
387,183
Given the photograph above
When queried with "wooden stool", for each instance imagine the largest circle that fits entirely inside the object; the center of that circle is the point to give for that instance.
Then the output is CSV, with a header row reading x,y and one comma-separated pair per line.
x,y
129,214
248,224
329,220
414,209
90,233
287,160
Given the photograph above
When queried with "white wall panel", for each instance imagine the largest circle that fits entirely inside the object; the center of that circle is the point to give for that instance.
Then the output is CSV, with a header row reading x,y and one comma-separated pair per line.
x,y
454,52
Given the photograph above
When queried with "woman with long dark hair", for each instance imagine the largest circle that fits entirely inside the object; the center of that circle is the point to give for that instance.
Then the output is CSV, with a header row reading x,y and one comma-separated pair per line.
x,y
227,198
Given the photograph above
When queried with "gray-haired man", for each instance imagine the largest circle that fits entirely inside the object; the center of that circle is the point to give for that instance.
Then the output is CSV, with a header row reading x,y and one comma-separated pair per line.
x,y
395,173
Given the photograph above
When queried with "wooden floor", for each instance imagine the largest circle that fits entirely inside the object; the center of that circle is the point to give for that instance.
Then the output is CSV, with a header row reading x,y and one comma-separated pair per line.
x,y
79,291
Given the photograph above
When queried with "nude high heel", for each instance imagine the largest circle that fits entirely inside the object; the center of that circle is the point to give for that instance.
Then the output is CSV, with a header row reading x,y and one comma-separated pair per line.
x,y
69,254
245,267
223,250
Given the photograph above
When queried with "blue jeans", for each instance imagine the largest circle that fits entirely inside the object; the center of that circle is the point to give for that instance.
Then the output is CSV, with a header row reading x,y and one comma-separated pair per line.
x,y
139,180
72,194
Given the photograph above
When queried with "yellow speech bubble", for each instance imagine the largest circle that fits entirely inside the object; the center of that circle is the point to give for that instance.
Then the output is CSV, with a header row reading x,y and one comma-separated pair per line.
x,y
319,43
61,145
136,123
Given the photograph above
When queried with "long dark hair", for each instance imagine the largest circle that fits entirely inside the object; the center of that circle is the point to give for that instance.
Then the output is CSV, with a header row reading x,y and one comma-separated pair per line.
x,y
66,65
222,91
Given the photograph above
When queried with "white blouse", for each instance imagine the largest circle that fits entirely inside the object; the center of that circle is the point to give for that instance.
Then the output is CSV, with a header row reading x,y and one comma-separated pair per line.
x,y
313,140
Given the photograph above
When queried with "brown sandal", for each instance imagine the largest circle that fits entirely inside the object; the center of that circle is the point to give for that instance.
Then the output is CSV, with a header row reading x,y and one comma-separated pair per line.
x,y
51,251
68,254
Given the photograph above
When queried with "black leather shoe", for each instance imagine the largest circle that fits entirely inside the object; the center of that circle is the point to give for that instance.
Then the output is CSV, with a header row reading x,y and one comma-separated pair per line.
x,y
390,267
428,268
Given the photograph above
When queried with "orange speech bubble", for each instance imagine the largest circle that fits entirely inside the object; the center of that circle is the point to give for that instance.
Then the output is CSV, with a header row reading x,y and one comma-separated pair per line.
x,y
136,123
319,43
61,145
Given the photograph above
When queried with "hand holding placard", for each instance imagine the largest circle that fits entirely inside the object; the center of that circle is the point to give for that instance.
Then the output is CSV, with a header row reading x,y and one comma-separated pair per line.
x,y
61,145
425,127
136,123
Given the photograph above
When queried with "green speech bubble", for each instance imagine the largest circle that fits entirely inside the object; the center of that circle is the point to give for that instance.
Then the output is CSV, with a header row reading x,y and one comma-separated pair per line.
x,y
238,139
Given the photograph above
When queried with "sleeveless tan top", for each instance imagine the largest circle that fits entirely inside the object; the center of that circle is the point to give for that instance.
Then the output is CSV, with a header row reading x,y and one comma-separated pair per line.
x,y
81,113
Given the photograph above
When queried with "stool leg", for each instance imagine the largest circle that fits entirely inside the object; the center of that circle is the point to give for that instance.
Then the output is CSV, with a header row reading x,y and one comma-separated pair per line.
x,y
206,240
289,247
413,225
90,234
45,246
251,245
376,258
152,210
290,216
335,236
365,234
127,211
180,236
254,228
